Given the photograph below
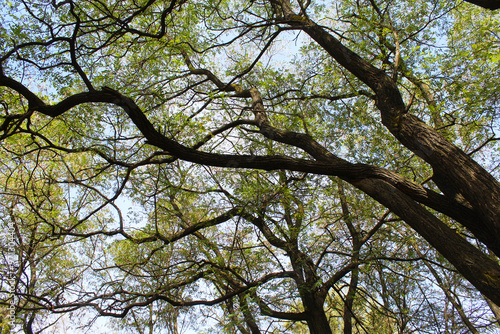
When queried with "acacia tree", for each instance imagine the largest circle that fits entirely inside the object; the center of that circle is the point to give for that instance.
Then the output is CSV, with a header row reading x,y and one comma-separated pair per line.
x,y
160,102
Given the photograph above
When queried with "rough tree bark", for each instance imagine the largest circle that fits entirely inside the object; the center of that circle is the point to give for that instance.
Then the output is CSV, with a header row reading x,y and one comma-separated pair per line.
x,y
480,210
460,172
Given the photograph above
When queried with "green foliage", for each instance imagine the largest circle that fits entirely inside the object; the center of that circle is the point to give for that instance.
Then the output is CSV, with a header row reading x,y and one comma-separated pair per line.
x,y
110,223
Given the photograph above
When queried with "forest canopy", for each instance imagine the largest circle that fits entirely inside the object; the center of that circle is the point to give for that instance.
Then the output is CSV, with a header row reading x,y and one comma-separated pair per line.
x,y
234,166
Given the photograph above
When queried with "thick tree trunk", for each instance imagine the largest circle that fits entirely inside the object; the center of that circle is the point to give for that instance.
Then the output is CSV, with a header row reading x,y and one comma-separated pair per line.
x,y
316,316
477,268
469,179
460,172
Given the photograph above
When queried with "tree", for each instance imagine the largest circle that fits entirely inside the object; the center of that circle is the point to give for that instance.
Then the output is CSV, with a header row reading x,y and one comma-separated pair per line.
x,y
181,107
